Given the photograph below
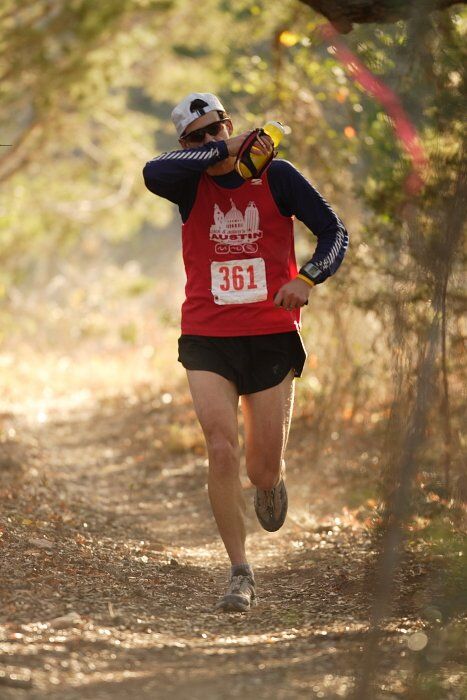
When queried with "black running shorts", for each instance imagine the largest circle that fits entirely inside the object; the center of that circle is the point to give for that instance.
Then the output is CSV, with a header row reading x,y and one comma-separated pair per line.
x,y
252,362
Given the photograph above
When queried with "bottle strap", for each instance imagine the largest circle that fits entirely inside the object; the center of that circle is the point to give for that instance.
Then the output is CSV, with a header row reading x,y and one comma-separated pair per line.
x,y
244,157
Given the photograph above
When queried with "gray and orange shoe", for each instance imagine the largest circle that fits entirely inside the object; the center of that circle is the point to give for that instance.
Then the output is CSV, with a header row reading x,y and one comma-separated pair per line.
x,y
240,595
271,506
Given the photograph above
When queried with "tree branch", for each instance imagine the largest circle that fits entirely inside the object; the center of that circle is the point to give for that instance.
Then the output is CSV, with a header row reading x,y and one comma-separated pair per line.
x,y
344,13
20,152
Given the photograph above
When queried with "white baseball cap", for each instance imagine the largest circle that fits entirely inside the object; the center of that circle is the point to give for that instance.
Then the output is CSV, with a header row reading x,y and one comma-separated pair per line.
x,y
193,106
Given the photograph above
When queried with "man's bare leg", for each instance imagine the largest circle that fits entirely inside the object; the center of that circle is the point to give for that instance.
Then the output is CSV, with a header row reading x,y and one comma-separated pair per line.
x,y
267,415
216,403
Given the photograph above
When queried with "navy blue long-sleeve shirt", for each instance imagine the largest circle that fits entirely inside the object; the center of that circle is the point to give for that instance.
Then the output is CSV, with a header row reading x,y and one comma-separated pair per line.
x,y
176,175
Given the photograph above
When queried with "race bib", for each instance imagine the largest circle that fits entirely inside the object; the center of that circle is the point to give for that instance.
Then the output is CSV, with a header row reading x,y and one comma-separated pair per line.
x,y
239,281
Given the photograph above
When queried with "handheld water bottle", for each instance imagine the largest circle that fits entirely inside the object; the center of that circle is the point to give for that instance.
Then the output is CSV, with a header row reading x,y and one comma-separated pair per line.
x,y
252,165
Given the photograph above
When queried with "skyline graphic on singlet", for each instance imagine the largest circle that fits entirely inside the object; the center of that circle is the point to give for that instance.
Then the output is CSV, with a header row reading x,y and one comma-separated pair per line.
x,y
234,232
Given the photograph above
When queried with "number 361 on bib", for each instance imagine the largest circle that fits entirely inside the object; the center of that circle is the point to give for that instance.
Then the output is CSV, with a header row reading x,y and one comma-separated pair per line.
x,y
238,281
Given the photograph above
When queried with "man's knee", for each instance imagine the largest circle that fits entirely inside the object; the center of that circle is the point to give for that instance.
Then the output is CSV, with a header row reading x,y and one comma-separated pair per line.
x,y
223,453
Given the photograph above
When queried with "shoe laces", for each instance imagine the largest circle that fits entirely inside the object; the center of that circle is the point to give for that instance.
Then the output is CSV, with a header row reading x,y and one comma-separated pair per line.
x,y
240,583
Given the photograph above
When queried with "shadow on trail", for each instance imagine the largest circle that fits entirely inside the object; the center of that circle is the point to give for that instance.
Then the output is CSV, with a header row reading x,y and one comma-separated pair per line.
x,y
111,526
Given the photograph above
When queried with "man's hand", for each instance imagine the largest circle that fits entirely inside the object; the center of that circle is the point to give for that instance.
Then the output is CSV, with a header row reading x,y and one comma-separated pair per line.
x,y
263,144
293,295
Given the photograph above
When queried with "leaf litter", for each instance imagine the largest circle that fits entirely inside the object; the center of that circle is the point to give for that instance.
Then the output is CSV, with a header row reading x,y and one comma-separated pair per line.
x,y
111,566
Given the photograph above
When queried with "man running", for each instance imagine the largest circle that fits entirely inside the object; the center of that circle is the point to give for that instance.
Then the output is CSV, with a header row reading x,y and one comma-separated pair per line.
x,y
241,315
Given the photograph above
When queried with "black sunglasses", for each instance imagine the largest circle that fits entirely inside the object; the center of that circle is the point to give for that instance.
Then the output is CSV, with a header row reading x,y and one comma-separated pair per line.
x,y
197,136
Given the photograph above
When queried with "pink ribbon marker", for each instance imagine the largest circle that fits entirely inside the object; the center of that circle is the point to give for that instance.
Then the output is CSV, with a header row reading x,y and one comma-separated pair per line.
x,y
405,130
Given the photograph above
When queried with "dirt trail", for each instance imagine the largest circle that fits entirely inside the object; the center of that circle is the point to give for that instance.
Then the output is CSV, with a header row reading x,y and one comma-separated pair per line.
x,y
111,566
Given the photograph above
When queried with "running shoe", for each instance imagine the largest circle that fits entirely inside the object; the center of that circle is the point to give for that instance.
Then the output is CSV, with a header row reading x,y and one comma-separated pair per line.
x,y
271,506
240,595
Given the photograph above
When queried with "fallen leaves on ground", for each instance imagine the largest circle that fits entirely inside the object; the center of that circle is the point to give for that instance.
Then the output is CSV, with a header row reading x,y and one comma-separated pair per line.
x,y
111,567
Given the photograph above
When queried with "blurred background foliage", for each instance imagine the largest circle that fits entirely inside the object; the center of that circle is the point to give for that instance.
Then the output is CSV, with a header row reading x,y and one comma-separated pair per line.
x,y
85,100
91,277
88,255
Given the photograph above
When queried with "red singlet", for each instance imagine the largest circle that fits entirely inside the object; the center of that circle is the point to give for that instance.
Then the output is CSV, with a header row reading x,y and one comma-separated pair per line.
x,y
238,251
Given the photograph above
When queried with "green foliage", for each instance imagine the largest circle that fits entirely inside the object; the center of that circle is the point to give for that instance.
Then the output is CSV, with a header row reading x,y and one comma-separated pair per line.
x,y
86,87
85,98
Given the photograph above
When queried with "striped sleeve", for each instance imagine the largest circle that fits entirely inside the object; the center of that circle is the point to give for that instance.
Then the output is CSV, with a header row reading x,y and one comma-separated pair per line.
x,y
296,196
169,174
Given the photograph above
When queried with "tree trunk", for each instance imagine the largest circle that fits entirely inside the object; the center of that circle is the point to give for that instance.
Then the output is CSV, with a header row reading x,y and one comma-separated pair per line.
x,y
344,13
